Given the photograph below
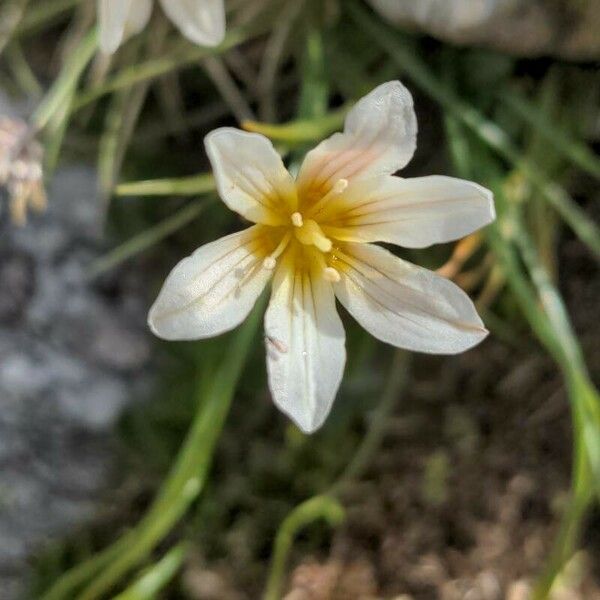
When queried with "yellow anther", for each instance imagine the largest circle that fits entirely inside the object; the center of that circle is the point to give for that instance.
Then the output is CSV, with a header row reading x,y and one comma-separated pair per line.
x,y
269,263
331,274
310,234
297,220
324,244
338,188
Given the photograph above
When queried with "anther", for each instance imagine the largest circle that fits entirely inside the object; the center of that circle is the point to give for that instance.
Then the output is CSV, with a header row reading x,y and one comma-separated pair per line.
x,y
339,186
297,220
323,244
331,274
269,263
311,234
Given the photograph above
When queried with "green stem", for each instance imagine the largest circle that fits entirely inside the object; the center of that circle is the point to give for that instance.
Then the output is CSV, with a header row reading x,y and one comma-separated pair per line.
x,y
189,474
11,15
184,186
64,86
44,13
147,238
301,131
396,381
576,152
21,70
314,95
570,529
121,117
156,577
66,586
318,507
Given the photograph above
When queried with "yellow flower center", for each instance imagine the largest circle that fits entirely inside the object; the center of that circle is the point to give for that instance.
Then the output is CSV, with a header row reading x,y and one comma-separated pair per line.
x,y
304,229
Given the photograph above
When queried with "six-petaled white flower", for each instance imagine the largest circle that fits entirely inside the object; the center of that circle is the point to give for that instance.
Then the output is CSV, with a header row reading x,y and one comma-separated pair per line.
x,y
313,237
201,21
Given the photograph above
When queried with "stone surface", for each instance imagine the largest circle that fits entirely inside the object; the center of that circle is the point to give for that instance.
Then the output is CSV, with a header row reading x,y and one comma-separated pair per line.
x,y
73,353
567,28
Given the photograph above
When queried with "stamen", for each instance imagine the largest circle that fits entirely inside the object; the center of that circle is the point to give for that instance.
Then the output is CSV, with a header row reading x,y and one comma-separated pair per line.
x,y
324,244
310,234
297,220
338,188
331,274
270,262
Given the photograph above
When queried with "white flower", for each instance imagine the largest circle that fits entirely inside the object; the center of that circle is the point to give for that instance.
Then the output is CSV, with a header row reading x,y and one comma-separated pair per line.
x,y
443,16
313,237
201,21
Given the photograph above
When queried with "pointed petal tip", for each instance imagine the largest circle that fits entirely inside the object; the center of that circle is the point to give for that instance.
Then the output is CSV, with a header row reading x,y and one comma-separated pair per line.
x,y
153,322
307,424
203,23
479,334
488,196
107,49
215,37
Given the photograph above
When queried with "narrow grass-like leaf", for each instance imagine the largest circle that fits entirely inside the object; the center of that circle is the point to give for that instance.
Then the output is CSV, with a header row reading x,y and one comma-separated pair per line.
x,y
301,131
579,154
11,15
44,14
67,81
146,239
184,186
121,119
326,508
156,577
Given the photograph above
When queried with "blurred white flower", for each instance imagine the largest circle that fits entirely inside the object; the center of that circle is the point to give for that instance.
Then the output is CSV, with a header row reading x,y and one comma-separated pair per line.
x,y
21,169
201,21
442,15
313,236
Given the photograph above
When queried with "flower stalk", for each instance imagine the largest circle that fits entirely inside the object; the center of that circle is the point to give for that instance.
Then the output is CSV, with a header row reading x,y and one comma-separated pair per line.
x,y
66,83
326,508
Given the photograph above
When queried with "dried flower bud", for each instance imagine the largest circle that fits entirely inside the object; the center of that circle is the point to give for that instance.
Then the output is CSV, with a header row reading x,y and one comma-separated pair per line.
x,y
21,169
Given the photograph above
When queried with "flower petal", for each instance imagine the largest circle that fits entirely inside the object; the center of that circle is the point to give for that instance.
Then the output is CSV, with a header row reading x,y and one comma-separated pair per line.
x,y
118,19
214,289
380,137
405,305
251,177
414,213
201,21
139,15
305,344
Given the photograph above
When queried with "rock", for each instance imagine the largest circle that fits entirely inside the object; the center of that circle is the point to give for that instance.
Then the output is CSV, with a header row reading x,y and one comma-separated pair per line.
x,y
523,27
72,356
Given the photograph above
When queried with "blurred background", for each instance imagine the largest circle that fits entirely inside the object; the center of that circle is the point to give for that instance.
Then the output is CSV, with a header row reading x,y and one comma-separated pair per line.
x,y
136,469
